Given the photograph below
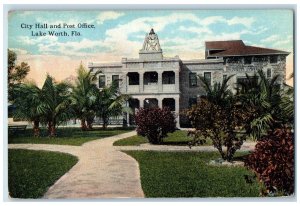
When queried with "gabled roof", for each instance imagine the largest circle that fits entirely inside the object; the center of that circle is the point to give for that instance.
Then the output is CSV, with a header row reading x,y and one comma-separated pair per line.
x,y
238,48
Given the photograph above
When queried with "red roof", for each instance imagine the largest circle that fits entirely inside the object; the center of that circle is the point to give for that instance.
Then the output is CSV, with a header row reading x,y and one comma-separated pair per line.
x,y
237,48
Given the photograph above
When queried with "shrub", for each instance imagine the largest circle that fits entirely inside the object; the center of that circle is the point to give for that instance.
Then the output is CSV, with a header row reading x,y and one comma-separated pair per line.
x,y
220,124
155,123
273,161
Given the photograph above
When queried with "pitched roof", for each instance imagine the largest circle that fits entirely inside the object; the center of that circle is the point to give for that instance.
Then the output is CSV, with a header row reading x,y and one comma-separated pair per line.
x,y
237,48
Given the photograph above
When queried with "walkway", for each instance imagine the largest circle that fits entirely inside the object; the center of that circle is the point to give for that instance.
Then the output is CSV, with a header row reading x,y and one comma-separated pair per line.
x,y
247,146
101,172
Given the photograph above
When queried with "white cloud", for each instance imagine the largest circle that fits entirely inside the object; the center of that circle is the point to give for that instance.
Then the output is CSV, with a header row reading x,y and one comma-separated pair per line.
x,y
34,41
278,42
19,51
271,38
197,30
282,43
108,15
212,20
246,21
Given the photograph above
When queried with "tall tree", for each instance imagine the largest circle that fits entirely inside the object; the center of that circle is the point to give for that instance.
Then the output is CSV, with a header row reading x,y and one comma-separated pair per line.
x,y
56,104
16,73
219,93
262,96
84,96
29,105
217,117
111,102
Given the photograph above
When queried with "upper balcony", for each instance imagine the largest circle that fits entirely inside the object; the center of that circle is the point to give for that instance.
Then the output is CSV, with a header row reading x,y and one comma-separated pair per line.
x,y
152,82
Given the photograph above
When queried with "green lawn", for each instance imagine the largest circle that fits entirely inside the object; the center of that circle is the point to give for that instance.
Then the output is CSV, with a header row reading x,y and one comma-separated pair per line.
x,y
66,136
31,173
186,174
178,137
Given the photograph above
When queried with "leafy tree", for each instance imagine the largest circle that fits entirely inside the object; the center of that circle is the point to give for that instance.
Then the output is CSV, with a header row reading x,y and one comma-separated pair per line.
x,y
110,102
218,117
155,123
16,73
28,104
56,103
84,96
220,124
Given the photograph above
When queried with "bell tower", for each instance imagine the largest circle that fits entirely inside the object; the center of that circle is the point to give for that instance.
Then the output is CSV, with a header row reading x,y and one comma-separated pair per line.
x,y
151,48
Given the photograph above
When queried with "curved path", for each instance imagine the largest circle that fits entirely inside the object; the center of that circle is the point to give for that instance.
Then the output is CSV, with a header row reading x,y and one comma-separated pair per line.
x,y
101,172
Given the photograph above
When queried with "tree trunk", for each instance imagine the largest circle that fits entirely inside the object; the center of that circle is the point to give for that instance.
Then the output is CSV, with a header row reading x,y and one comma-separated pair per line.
x,y
51,128
89,122
83,125
105,121
36,128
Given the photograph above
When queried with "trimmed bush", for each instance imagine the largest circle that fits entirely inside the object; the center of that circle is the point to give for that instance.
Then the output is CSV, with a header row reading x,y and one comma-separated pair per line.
x,y
273,162
155,123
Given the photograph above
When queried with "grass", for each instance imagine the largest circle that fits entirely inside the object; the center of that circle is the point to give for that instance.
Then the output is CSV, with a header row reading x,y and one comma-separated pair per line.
x,y
186,174
31,173
66,136
178,137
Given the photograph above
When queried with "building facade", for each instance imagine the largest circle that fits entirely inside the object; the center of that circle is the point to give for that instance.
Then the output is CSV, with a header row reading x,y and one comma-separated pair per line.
x,y
154,80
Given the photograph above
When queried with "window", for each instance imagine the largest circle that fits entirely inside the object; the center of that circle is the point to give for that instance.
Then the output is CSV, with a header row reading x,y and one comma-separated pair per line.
x,y
207,77
242,81
260,59
269,73
101,81
133,78
168,77
150,78
115,80
150,103
193,79
192,101
234,60
273,59
169,102
248,60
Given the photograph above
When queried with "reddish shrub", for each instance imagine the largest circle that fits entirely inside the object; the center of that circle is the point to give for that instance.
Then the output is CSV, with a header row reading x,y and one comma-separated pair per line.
x,y
273,161
155,123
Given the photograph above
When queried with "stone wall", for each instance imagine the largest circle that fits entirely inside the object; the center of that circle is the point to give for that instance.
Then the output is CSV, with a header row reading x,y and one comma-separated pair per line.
x,y
239,69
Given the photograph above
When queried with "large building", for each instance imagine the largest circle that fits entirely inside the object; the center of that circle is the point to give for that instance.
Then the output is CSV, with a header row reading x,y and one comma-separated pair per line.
x,y
154,80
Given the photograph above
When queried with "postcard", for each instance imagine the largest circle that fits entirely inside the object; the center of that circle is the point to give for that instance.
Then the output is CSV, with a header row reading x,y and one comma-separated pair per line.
x,y
106,104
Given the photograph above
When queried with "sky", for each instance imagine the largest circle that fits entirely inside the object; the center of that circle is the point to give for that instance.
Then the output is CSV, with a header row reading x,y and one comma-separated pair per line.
x,y
121,33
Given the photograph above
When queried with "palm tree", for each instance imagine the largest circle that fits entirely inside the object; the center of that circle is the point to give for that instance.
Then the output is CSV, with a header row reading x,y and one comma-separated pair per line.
x,y
55,103
28,104
263,98
219,92
84,96
110,102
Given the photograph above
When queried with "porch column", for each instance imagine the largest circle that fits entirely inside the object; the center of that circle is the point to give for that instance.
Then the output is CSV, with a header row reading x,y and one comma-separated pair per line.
x,y
159,81
141,102
177,111
159,102
141,76
177,81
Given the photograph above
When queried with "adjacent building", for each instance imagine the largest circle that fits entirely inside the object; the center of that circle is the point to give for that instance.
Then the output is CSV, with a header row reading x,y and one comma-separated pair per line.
x,y
154,80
